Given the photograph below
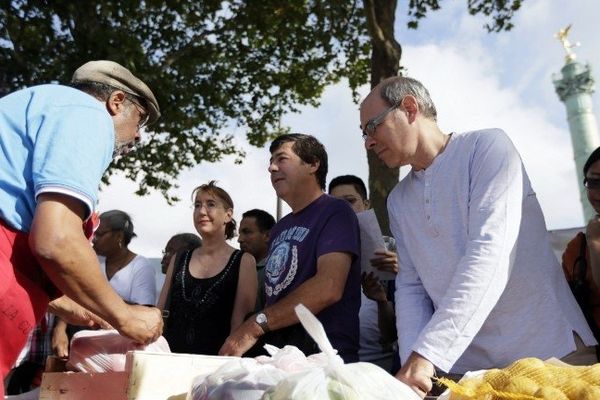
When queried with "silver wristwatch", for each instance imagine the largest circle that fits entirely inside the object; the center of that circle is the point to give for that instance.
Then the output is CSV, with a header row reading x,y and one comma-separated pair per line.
x,y
262,321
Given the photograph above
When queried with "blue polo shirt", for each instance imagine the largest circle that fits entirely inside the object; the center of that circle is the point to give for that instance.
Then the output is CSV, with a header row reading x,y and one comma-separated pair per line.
x,y
53,138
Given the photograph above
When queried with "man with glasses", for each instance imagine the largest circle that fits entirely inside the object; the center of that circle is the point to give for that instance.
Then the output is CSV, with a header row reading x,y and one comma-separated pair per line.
x,y
55,144
479,285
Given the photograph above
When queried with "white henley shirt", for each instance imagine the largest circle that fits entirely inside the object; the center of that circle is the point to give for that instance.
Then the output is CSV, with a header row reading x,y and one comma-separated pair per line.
x,y
479,285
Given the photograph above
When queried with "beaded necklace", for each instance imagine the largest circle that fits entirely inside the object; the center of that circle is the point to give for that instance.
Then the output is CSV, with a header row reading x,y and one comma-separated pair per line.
x,y
214,285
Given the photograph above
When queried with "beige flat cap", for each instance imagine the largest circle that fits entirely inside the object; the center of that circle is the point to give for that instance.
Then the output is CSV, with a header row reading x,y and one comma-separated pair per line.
x,y
119,77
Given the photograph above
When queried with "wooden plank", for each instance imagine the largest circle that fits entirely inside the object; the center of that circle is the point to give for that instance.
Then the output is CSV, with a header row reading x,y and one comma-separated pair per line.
x,y
79,385
149,376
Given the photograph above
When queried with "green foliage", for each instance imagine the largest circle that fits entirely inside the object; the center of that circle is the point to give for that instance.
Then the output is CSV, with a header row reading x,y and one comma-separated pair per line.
x,y
500,11
418,9
216,67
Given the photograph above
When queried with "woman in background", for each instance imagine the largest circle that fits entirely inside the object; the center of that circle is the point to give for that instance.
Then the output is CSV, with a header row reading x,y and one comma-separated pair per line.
x,y
131,275
581,259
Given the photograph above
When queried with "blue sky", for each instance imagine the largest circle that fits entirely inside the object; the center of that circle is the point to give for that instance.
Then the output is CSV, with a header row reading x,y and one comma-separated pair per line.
x,y
477,80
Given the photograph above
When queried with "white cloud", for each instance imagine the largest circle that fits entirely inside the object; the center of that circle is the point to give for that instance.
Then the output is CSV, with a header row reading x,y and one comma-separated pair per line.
x,y
477,80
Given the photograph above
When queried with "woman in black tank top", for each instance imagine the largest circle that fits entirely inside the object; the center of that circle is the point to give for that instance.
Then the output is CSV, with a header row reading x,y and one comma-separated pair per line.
x,y
211,288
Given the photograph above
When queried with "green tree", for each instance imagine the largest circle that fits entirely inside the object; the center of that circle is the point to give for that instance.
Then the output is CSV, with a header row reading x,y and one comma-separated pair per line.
x,y
216,66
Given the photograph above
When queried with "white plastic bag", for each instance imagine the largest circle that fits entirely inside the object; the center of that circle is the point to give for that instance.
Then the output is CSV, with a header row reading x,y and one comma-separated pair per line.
x,y
289,374
336,380
104,350
241,379
249,378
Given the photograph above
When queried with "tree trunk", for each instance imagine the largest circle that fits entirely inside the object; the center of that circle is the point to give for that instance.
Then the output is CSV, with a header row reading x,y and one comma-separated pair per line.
x,y
385,62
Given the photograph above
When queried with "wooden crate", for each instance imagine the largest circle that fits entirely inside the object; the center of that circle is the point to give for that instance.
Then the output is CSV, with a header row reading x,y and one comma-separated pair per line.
x,y
147,376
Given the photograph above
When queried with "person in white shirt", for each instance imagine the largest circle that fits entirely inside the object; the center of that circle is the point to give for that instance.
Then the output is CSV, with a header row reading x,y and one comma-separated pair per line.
x,y
376,314
130,275
478,286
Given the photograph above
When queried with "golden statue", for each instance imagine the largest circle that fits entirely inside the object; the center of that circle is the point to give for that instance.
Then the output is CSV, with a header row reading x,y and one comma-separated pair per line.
x,y
562,36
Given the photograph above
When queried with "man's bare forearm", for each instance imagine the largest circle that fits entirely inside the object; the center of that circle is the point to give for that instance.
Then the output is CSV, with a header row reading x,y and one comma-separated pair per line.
x,y
57,240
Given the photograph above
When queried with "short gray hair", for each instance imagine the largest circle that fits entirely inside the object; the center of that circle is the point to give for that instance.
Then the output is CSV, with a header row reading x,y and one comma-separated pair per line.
x,y
393,90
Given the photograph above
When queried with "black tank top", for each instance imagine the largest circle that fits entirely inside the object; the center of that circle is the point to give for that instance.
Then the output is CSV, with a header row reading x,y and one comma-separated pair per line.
x,y
201,309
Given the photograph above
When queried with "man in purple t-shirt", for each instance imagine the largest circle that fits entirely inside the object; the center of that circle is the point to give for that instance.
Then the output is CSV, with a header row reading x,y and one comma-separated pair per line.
x,y
314,257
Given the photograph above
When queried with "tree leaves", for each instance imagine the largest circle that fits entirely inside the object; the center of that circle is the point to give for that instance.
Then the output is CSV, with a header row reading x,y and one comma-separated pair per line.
x,y
216,67
500,11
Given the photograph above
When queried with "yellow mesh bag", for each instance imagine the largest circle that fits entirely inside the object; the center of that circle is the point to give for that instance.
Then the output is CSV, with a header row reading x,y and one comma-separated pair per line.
x,y
529,379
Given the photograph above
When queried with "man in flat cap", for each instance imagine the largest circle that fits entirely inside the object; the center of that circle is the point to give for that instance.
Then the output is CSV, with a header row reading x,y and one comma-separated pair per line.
x,y
55,144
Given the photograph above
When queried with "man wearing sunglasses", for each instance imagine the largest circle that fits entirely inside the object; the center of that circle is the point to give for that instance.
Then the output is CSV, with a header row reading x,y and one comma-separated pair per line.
x,y
479,286
55,144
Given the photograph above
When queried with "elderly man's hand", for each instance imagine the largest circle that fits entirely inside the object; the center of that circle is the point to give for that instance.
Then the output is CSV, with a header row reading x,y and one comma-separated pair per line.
x,y
144,325
242,339
74,314
417,372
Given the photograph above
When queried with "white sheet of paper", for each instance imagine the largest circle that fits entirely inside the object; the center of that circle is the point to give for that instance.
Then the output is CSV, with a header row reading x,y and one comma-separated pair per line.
x,y
371,239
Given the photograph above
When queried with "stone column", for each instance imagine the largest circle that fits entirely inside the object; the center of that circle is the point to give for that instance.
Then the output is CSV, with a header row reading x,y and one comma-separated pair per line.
x,y
574,89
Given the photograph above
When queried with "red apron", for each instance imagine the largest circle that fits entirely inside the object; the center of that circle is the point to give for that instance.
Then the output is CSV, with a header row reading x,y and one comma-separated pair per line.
x,y
25,291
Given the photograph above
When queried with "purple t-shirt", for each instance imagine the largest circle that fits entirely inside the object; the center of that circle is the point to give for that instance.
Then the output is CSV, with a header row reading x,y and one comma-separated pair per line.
x,y
326,225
